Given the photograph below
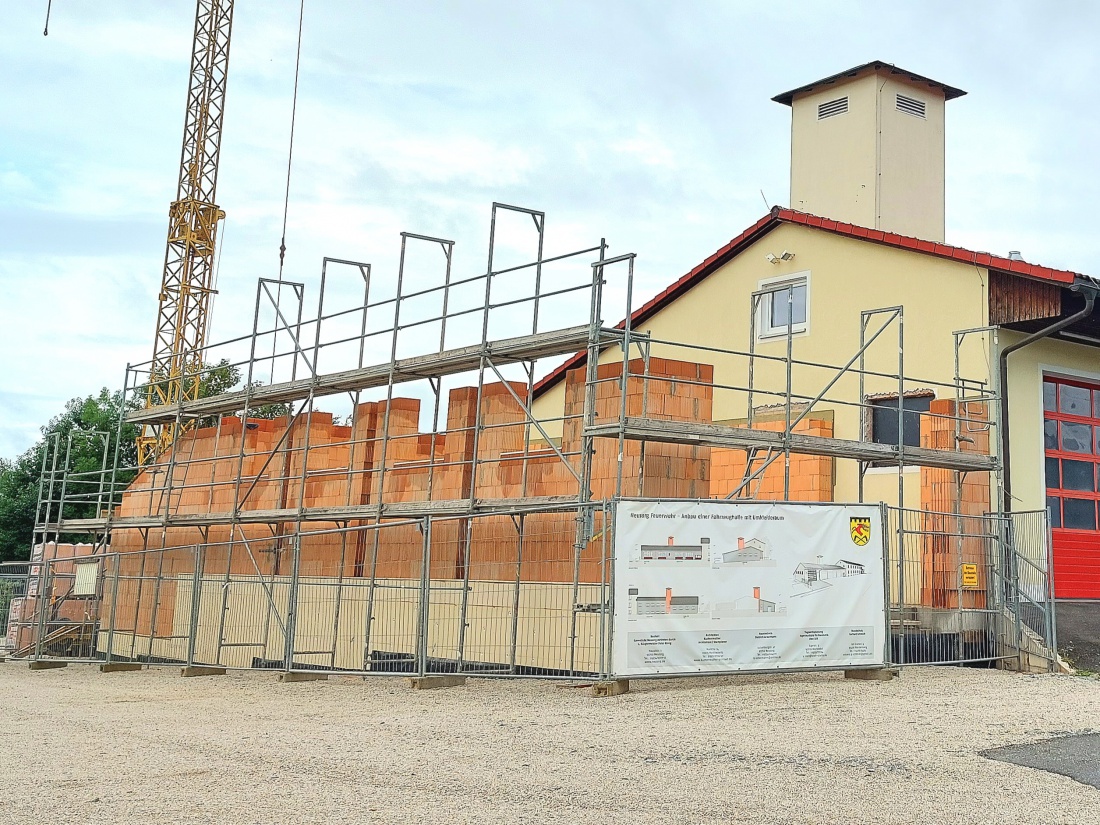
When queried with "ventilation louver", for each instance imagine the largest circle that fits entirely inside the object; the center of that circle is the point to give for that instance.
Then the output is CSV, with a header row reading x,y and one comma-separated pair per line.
x,y
911,106
833,107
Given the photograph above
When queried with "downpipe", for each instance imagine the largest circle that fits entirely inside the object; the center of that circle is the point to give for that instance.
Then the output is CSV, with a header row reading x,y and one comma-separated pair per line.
x,y
1005,439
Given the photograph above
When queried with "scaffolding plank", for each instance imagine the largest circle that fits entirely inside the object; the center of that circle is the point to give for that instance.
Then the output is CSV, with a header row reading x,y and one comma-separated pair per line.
x,y
354,512
448,362
717,435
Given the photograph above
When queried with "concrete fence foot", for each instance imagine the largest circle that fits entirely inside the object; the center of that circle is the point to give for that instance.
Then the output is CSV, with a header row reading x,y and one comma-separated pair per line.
x,y
202,670
303,677
432,682
880,674
616,687
119,667
43,664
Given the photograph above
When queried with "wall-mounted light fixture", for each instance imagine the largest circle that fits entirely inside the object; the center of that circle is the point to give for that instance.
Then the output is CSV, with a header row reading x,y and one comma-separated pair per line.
x,y
773,259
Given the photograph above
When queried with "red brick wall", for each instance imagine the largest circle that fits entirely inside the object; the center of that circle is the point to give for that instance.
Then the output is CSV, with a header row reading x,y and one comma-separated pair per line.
x,y
945,491
811,477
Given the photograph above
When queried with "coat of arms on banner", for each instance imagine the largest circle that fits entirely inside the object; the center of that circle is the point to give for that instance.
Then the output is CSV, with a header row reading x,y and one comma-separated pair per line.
x,y
861,530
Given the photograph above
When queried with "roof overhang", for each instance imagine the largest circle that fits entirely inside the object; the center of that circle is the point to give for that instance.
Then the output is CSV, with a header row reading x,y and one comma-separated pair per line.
x,y
949,92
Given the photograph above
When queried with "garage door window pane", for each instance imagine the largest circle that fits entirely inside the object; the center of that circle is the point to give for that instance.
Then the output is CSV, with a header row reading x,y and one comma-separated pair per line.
x,y
1076,438
1050,394
1096,403
1078,475
1050,434
1053,482
1074,400
1079,514
1054,507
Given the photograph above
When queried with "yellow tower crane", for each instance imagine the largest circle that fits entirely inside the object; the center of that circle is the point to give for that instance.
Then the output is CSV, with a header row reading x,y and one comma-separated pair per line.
x,y
187,286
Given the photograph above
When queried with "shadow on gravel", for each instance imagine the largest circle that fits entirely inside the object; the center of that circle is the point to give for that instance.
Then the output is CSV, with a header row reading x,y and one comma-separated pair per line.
x,y
1077,757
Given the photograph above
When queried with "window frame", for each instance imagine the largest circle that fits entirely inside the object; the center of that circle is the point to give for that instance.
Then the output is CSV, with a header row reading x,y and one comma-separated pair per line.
x,y
1059,493
771,286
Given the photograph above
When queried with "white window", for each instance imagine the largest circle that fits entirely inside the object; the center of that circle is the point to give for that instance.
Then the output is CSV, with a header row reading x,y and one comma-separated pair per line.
x,y
785,303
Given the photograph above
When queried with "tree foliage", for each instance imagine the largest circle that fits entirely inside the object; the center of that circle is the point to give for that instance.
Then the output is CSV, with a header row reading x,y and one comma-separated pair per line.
x,y
97,445
88,434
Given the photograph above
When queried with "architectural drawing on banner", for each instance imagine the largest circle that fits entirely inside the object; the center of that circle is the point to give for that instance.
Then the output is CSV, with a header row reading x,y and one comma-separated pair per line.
x,y
817,576
671,554
672,604
748,606
752,552
663,605
749,553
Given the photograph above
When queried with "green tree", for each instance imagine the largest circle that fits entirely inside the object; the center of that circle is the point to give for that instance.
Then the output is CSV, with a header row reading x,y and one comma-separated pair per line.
x,y
93,425
224,377
88,432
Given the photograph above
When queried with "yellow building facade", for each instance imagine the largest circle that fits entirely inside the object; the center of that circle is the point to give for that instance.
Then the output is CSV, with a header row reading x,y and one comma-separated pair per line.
x,y
868,158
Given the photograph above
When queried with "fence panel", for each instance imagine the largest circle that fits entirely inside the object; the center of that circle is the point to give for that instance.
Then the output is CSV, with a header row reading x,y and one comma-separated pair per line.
x,y
1030,591
968,589
494,595
13,602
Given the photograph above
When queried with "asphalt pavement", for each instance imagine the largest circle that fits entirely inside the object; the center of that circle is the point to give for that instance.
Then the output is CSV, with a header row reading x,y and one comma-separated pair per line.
x,y
1077,757
1079,632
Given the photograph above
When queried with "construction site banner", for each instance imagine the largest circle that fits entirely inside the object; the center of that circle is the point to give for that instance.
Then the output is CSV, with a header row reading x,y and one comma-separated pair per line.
x,y
733,587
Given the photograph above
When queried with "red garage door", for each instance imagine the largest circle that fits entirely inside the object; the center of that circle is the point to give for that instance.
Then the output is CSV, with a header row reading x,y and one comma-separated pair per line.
x,y
1072,441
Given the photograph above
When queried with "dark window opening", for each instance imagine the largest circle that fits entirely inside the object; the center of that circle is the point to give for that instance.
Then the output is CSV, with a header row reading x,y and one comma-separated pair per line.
x,y
1078,475
1054,480
884,419
1054,507
1079,514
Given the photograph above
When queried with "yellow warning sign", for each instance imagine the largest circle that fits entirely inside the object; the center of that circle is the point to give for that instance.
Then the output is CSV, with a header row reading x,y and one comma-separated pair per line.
x,y
970,576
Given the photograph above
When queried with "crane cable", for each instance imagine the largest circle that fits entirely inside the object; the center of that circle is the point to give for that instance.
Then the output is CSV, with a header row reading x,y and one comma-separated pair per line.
x,y
286,196
290,150
46,31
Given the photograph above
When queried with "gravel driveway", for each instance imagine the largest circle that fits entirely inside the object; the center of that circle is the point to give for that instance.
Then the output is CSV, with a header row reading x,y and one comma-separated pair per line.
x,y
83,747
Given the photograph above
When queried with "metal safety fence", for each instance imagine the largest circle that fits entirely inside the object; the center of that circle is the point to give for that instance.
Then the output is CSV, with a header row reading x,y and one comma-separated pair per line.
x,y
527,593
13,592
491,595
970,589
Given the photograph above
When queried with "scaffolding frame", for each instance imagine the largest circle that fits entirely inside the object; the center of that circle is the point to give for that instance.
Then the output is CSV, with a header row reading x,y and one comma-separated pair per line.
x,y
484,361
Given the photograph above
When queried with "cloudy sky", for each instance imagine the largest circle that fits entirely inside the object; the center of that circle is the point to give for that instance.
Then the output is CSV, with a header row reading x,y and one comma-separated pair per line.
x,y
649,123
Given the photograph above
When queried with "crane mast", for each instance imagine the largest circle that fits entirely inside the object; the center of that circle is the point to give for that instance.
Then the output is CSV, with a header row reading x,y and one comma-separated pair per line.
x,y
187,285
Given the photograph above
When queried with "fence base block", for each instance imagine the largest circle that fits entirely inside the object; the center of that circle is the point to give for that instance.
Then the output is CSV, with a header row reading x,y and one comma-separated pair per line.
x,y
200,670
880,674
119,667
46,665
302,677
617,687
432,682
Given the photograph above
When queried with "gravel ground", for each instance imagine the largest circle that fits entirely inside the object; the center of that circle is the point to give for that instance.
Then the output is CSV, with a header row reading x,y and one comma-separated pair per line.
x,y
84,747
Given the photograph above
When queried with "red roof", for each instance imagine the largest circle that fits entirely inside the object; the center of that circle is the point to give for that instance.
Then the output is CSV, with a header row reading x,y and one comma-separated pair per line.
x,y
780,215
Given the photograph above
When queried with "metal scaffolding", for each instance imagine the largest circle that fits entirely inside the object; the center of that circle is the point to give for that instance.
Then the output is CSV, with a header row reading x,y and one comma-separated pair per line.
x,y
454,476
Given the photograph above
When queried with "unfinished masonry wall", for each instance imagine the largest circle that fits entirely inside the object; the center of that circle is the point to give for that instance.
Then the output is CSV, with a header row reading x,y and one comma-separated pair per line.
x,y
487,452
